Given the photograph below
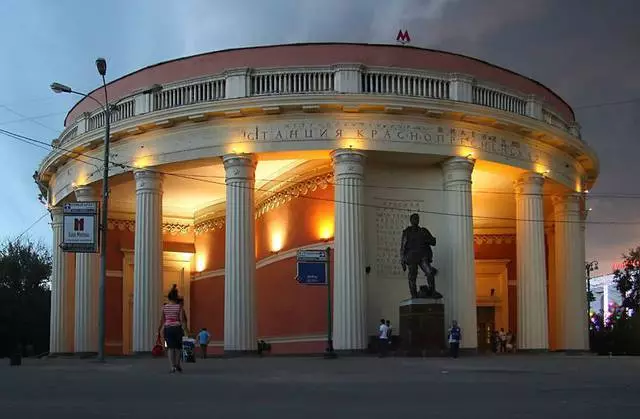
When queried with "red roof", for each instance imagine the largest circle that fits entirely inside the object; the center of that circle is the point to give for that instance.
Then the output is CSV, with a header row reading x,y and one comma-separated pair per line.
x,y
318,55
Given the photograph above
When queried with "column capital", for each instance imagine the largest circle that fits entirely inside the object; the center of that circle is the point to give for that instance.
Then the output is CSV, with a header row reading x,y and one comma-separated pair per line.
x,y
148,180
56,215
348,162
85,193
457,169
569,202
239,166
529,183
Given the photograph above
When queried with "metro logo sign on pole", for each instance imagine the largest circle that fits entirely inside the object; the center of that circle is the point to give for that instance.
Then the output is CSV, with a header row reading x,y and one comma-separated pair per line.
x,y
80,227
403,37
78,224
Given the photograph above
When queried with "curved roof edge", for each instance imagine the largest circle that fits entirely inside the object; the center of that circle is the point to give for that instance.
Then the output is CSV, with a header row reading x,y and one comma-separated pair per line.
x,y
257,47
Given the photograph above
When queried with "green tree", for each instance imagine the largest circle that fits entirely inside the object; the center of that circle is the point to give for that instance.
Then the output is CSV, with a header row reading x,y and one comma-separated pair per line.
x,y
25,270
628,280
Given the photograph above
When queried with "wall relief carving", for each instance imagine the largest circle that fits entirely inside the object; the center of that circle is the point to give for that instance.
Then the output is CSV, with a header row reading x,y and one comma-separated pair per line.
x,y
391,218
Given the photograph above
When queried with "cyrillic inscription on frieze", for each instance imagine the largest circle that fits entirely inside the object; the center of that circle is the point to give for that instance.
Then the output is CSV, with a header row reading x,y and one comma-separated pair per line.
x,y
492,142
391,218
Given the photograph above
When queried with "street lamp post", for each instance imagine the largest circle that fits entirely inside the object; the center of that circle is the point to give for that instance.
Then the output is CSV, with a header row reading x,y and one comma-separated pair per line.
x,y
101,65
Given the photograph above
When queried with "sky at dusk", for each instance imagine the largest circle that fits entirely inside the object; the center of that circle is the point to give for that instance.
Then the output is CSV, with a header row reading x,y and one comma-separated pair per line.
x,y
585,50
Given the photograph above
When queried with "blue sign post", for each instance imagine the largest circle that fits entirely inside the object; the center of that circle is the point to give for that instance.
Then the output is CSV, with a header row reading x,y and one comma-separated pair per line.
x,y
313,269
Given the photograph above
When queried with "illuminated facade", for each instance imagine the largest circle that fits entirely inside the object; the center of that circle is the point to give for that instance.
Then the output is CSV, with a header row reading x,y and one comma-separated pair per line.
x,y
248,155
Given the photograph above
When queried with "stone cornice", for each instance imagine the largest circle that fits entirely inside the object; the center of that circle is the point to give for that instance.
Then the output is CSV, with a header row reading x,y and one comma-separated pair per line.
x,y
146,121
553,148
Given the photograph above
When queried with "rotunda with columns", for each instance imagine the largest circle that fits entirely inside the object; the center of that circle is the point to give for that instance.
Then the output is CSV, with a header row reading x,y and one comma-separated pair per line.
x,y
248,155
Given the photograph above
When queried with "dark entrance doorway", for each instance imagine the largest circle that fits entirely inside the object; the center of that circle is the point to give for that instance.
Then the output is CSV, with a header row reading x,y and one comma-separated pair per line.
x,y
486,326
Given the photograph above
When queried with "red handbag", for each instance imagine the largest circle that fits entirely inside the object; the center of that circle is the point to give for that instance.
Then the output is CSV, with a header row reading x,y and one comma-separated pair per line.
x,y
158,348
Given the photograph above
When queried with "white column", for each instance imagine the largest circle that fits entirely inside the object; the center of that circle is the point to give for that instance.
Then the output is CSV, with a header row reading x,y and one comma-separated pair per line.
x,y
58,323
533,331
571,306
583,257
349,292
240,254
147,266
461,259
86,292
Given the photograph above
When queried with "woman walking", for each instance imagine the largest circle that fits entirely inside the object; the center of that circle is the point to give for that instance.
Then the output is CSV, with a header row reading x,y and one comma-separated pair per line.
x,y
172,324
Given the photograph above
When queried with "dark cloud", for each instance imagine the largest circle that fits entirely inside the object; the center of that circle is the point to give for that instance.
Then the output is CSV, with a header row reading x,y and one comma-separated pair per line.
x,y
586,50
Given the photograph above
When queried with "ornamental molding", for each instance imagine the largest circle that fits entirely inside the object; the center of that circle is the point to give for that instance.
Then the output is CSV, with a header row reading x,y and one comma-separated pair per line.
x,y
173,229
298,189
209,225
122,225
275,200
489,239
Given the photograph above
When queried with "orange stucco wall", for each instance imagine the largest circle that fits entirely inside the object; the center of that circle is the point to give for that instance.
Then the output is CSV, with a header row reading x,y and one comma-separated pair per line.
x,y
284,308
299,222
210,250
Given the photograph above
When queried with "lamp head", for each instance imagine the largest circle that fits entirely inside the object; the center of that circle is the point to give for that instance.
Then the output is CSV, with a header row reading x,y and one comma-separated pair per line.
x,y
101,65
60,88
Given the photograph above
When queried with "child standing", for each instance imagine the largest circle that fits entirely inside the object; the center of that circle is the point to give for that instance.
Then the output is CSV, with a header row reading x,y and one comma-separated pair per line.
x,y
203,339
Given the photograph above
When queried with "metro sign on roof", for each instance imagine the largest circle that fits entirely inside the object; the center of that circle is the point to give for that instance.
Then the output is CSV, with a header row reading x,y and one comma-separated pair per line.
x,y
403,37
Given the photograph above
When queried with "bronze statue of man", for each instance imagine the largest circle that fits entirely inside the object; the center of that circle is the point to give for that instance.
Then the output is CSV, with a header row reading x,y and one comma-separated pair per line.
x,y
415,251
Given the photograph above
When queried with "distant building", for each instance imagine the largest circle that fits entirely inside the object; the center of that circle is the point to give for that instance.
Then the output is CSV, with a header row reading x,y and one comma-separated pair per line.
x,y
605,293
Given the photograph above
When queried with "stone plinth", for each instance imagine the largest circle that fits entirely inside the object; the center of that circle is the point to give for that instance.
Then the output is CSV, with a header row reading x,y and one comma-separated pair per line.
x,y
422,330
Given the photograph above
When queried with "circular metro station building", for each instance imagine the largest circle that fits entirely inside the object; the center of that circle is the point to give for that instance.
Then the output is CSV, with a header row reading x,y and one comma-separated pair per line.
x,y
247,156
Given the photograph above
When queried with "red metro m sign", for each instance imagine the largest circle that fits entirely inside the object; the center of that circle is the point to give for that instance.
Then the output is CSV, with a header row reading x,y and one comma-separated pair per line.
x,y
78,224
403,37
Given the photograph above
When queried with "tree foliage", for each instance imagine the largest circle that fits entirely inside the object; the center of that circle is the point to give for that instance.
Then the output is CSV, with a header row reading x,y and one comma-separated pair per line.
x,y
25,270
628,280
619,332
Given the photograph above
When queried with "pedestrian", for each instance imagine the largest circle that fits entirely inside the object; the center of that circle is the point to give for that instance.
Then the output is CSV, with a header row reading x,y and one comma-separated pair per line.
x,y
173,322
203,340
389,334
455,336
503,340
383,338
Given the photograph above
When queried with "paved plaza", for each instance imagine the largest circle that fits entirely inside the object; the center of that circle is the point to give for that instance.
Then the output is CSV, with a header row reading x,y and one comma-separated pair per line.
x,y
543,386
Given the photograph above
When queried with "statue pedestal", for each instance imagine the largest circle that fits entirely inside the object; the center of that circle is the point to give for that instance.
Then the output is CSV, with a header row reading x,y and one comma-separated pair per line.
x,y
422,331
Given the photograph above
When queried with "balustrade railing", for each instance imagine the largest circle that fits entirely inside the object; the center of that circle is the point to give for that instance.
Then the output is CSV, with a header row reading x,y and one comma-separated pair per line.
x,y
493,98
320,80
189,94
554,120
404,85
287,83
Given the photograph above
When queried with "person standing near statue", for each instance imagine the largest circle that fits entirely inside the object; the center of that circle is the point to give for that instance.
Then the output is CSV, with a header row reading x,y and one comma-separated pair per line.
x,y
415,252
455,336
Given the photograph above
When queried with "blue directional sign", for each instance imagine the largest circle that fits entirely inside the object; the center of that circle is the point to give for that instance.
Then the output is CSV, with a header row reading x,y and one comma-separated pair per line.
x,y
312,267
312,273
